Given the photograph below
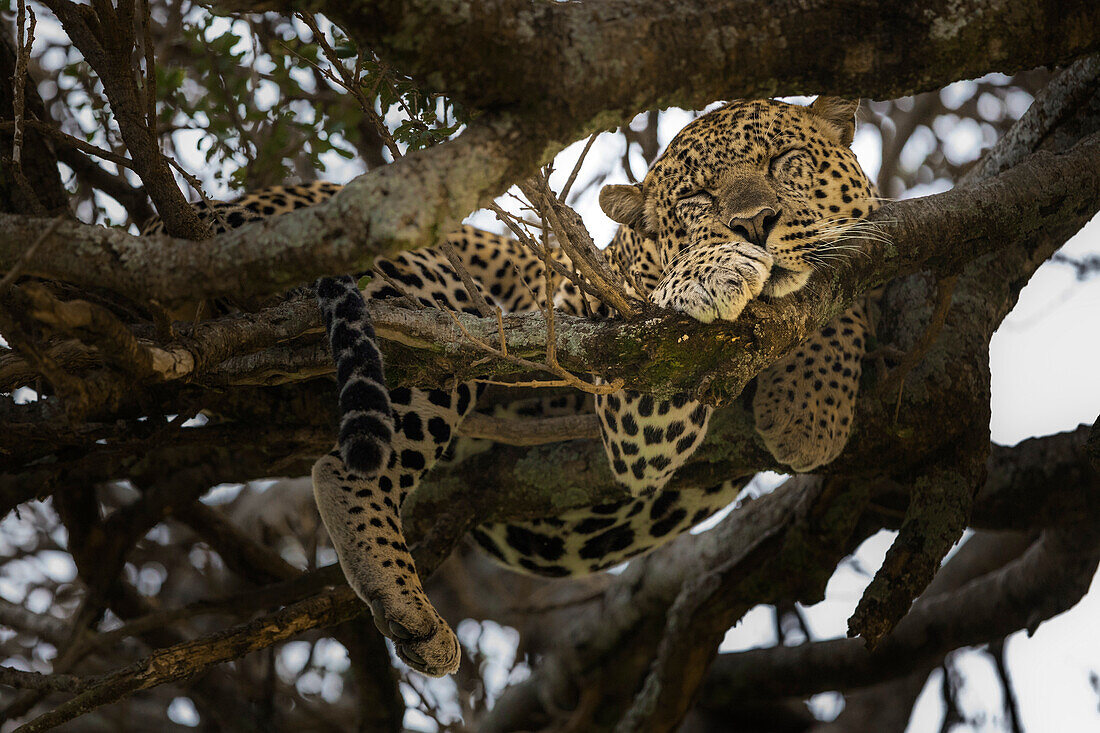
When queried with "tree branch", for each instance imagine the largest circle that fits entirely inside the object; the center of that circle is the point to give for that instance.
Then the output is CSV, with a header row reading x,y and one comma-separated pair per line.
x,y
571,56
1050,578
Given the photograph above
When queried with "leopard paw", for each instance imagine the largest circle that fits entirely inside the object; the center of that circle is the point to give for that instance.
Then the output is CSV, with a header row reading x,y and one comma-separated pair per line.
x,y
716,282
794,442
422,639
804,405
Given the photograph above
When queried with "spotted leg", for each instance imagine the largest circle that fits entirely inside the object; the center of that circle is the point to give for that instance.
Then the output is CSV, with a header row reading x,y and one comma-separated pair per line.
x,y
804,403
647,439
363,518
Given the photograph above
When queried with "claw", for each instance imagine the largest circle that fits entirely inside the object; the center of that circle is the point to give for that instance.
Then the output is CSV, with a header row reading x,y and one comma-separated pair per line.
x,y
413,656
400,632
378,612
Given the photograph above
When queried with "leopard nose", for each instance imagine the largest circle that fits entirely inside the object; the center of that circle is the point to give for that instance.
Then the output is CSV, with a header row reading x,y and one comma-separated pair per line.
x,y
755,227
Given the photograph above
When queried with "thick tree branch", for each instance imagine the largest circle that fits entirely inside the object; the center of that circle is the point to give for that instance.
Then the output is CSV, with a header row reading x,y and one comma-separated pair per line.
x,y
581,60
658,354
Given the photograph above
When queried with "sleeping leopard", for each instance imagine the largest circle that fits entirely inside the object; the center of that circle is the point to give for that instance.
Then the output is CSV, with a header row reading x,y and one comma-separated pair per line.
x,y
747,201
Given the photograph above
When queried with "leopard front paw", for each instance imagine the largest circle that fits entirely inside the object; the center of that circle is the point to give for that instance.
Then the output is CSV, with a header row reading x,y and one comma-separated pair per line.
x,y
794,443
715,284
805,423
422,639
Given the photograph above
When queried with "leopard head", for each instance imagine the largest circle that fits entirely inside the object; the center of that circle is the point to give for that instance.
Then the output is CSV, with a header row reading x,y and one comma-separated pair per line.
x,y
776,175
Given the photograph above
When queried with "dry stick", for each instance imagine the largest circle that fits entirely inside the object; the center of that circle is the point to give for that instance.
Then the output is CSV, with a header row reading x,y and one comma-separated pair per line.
x,y
548,304
551,365
349,84
500,331
576,168
467,279
568,379
25,39
577,243
516,226
73,142
410,301
196,184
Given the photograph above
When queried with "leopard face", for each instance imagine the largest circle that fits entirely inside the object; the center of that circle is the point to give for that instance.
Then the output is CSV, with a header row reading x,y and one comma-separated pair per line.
x,y
777,177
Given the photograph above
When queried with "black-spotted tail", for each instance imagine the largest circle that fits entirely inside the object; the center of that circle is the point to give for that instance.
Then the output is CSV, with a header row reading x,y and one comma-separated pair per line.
x,y
366,417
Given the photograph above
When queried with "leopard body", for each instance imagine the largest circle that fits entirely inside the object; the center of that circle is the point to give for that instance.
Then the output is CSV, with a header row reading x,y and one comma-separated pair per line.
x,y
747,201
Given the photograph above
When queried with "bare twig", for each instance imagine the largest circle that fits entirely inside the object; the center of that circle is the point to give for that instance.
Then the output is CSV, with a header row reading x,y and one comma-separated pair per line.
x,y
349,83
577,243
196,184
73,142
577,168
518,227
568,379
467,279
24,41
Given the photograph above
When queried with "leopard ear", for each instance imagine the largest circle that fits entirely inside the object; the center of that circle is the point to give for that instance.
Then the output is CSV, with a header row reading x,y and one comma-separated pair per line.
x,y
624,204
839,114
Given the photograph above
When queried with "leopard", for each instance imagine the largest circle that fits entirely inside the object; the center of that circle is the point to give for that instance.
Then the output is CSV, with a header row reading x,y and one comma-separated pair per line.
x,y
747,202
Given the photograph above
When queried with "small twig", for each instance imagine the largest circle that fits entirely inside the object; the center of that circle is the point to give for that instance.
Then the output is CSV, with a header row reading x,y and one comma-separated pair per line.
x,y
577,244
467,279
516,225
351,85
410,301
196,184
73,142
568,379
500,331
577,168
24,41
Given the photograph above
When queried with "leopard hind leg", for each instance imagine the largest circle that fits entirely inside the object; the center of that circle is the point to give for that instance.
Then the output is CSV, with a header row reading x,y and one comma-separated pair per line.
x,y
363,518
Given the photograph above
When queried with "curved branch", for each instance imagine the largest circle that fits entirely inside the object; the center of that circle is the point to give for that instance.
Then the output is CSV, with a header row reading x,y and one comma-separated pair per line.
x,y
1050,578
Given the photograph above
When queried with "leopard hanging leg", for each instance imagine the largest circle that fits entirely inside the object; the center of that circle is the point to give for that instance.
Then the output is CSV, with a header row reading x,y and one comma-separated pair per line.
x,y
647,439
804,403
363,518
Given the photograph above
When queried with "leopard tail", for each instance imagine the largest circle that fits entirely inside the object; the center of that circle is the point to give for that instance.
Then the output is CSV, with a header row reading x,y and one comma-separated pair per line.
x,y
366,417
